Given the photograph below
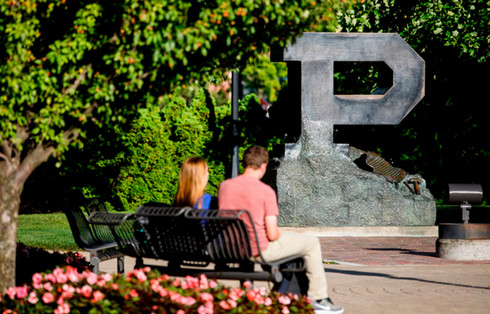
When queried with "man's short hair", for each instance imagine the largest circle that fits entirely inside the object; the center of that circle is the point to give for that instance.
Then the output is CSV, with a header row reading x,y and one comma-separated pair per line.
x,y
255,156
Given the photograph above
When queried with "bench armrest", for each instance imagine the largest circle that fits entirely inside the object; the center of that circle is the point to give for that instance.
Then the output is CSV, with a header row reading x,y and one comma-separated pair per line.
x,y
108,219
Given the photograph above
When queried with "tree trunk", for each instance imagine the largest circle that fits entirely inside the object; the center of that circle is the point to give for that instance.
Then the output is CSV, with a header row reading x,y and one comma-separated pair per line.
x,y
9,213
13,175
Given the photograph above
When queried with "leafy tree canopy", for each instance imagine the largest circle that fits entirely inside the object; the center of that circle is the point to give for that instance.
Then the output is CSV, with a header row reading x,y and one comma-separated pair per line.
x,y
68,62
462,24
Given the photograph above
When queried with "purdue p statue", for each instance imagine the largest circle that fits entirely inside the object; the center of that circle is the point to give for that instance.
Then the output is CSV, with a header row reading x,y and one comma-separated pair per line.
x,y
318,183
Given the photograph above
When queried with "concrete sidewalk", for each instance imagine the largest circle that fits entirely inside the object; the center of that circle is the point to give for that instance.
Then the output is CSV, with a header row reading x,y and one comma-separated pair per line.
x,y
393,270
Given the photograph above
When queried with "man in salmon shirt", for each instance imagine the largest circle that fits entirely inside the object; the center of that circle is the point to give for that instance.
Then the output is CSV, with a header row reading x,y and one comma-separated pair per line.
x,y
246,191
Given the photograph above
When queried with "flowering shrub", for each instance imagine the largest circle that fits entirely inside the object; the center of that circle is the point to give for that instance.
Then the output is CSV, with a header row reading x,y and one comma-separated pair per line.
x,y
30,260
143,291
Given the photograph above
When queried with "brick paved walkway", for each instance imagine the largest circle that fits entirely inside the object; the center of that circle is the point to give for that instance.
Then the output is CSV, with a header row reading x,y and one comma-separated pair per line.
x,y
403,275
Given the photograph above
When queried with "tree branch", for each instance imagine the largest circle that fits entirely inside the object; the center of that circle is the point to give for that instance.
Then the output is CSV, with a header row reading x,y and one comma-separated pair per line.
x,y
32,160
78,81
7,156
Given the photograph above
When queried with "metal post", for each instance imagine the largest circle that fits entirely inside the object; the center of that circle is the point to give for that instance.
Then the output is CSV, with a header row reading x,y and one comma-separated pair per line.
x,y
235,94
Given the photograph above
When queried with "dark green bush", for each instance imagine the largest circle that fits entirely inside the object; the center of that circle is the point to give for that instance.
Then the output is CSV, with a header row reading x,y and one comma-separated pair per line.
x,y
31,260
159,141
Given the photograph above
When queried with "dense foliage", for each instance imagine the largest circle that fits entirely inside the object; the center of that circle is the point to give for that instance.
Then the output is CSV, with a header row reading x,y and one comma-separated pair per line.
x,y
142,291
70,62
158,142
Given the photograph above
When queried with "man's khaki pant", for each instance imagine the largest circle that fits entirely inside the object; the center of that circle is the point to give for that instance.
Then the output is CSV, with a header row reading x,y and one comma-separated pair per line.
x,y
309,247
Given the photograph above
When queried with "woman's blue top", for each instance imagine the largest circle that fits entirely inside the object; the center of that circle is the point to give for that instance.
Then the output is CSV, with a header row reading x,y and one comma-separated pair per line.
x,y
208,202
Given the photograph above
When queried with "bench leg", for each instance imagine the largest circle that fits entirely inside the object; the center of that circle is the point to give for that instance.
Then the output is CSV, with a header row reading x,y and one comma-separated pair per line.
x,y
94,260
120,265
139,263
293,282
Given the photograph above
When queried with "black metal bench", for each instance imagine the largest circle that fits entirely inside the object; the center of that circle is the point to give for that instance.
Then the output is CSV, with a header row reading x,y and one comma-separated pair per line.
x,y
192,242
96,239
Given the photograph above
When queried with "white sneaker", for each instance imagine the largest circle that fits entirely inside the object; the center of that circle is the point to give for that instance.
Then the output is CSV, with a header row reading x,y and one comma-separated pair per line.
x,y
325,306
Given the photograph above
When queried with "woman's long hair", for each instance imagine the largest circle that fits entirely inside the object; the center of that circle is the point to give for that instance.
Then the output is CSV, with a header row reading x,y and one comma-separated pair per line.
x,y
192,182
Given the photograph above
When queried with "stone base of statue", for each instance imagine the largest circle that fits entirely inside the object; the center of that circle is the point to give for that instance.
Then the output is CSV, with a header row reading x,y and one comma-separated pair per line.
x,y
318,184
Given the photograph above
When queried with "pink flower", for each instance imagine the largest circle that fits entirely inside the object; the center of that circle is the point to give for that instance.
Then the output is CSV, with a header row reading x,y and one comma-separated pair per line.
x,y
11,291
140,275
91,278
259,299
203,282
267,301
133,293
284,299
285,310
210,306
213,284
32,298
101,283
37,278
60,276
67,291
184,285
174,296
97,296
86,291
155,286
72,274
180,312
176,282
224,305
251,294
106,277
115,286
206,297
62,309
50,277
232,303
48,297
236,293
188,301
247,284
21,292
146,269
48,286
192,282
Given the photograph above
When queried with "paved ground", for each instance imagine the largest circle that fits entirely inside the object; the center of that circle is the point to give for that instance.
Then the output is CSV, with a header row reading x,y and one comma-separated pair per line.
x,y
403,275
397,274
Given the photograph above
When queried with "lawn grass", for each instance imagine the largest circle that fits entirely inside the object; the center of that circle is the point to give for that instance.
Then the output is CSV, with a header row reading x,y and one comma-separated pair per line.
x,y
48,231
